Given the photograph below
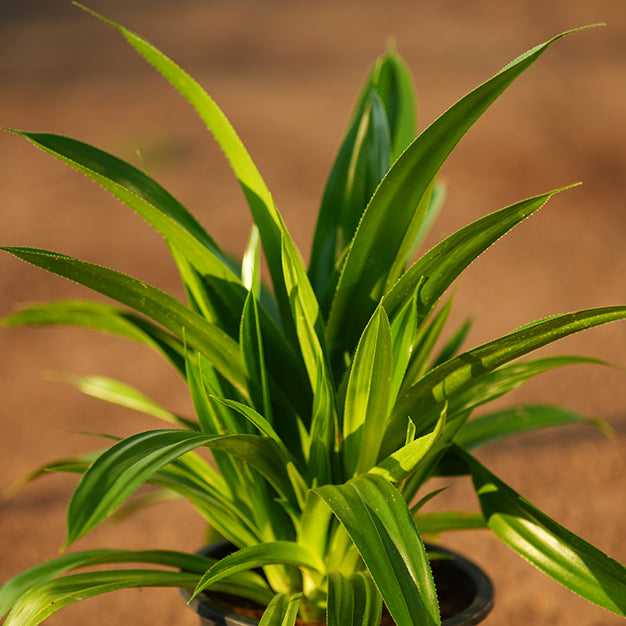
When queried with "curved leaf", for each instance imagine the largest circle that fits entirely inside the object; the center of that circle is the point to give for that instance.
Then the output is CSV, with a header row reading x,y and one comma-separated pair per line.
x,y
435,271
116,473
266,216
548,546
103,318
155,304
45,599
518,420
282,610
251,557
422,400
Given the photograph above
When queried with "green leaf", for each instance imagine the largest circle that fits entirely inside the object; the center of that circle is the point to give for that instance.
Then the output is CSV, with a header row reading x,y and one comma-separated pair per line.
x,y
401,462
155,304
282,610
252,355
269,222
15,588
103,318
116,474
435,271
445,521
507,378
442,383
394,85
118,392
368,396
251,264
403,328
353,600
379,523
251,557
381,232
518,420
382,126
310,332
548,546
45,599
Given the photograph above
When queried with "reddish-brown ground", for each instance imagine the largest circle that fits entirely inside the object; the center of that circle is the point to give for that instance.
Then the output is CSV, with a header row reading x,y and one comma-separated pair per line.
x,y
287,74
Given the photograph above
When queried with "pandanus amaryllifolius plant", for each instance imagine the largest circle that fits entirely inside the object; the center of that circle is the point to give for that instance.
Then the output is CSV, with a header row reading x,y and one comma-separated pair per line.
x,y
328,396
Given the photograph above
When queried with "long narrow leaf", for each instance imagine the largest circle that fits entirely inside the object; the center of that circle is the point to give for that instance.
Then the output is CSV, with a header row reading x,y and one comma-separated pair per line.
x,y
379,523
148,300
387,218
45,599
276,552
118,392
353,600
103,318
434,272
421,400
517,420
271,227
507,378
368,396
551,548
116,474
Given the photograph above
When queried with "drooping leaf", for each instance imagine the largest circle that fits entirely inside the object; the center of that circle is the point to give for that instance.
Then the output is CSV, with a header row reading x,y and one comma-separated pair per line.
x,y
103,318
118,392
445,521
44,599
550,547
12,590
379,523
251,557
517,420
116,474
148,300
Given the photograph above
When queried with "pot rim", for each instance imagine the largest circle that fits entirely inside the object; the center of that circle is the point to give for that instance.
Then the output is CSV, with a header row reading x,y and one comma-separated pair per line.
x,y
474,613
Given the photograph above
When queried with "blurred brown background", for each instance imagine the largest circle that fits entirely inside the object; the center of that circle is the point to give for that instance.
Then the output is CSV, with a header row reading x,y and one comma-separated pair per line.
x,y
287,73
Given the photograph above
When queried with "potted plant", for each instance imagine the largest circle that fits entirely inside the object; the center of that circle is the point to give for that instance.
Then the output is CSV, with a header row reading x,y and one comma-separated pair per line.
x,y
328,399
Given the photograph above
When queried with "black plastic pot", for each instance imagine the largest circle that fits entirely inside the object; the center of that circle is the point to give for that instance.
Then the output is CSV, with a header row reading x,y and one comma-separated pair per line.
x,y
464,590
